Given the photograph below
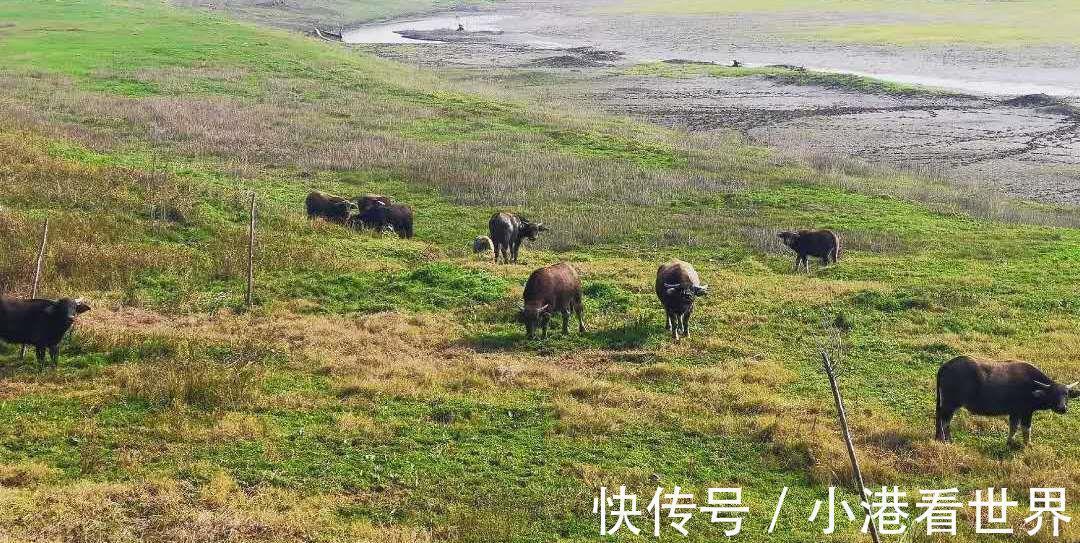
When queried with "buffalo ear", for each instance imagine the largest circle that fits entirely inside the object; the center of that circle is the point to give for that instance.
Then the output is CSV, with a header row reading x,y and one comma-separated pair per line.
x,y
540,227
81,306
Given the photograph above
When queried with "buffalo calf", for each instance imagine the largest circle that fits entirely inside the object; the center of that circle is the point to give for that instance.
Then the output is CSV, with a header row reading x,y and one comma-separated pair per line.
x,y
555,288
677,286
40,323
508,231
329,207
1016,389
823,244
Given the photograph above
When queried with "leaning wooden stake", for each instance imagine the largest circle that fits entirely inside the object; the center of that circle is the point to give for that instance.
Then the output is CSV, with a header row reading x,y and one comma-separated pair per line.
x,y
251,254
37,270
847,439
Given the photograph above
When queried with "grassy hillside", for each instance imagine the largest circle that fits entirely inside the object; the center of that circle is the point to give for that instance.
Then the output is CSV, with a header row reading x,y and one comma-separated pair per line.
x,y
380,390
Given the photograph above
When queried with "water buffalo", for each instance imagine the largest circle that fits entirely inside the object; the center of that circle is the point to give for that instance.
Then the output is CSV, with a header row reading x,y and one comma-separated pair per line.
x,y
823,244
1016,389
507,231
367,201
483,245
395,217
677,286
330,207
40,323
555,288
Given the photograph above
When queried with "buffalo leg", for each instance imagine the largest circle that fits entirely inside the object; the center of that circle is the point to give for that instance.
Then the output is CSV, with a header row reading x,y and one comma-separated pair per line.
x,y
54,353
580,320
515,249
1025,424
944,419
40,357
686,323
565,321
1014,424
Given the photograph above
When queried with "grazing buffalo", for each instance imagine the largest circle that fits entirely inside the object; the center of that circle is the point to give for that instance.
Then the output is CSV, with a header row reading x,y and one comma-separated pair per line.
x,y
365,202
677,286
483,245
555,288
1016,389
330,207
823,244
396,217
40,323
507,231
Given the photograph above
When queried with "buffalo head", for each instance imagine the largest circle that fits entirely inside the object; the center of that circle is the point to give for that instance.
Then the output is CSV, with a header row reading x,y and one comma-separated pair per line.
x,y
688,291
1054,396
788,237
535,316
68,308
532,229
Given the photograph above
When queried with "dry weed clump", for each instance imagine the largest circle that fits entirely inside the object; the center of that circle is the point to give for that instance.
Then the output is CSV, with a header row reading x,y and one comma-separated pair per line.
x,y
167,510
193,378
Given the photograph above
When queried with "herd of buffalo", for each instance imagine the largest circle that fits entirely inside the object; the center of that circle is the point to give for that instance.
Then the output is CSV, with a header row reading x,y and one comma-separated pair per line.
x,y
1016,389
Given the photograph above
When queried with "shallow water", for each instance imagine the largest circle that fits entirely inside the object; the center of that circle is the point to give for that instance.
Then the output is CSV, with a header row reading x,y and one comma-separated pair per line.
x,y
388,32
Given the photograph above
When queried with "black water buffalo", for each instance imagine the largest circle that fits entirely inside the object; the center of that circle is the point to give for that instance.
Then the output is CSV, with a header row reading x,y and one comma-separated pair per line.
x,y
823,244
677,286
1016,389
40,323
555,288
330,207
367,201
398,217
507,231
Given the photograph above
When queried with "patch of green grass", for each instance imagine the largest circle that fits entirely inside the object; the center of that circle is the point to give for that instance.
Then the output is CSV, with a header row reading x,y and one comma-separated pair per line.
x,y
428,287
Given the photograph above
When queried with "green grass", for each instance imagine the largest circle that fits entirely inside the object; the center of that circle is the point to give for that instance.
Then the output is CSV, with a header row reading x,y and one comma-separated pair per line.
x,y
380,389
785,75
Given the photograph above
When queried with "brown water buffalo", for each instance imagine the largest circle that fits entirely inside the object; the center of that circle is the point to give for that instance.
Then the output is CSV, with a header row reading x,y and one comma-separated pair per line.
x,y
508,231
398,217
365,202
555,288
39,323
330,207
1016,389
677,286
823,244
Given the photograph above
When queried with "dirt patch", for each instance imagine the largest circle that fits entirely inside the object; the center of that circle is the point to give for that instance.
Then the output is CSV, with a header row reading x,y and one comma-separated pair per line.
x,y
565,61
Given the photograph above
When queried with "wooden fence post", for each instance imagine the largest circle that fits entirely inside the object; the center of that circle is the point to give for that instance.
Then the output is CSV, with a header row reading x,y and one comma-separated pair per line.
x,y
847,440
38,265
251,254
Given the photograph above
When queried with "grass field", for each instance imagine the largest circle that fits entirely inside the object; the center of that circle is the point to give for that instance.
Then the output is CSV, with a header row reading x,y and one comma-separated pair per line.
x,y
380,390
920,22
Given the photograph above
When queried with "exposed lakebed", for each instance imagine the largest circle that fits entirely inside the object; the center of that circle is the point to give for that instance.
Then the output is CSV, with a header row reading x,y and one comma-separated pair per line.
x,y
977,130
